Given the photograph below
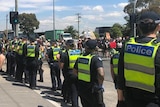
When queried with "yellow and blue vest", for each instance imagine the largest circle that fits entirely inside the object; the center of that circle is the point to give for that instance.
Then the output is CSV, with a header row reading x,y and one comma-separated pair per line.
x,y
84,63
20,50
73,55
31,51
115,62
139,68
55,52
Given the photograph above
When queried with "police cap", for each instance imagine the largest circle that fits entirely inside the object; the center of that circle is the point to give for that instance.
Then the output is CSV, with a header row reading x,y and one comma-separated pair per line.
x,y
154,17
53,42
91,44
70,42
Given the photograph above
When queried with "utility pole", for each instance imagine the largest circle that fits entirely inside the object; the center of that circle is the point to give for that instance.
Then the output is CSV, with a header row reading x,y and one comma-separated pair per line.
x,y
78,16
53,21
16,10
6,27
134,12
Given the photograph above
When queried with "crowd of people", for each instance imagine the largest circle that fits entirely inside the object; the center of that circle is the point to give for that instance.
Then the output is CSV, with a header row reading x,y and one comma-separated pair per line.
x,y
134,65
25,56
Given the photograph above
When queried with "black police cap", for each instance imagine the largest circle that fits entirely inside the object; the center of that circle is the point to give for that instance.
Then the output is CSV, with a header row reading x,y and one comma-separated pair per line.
x,y
70,42
91,44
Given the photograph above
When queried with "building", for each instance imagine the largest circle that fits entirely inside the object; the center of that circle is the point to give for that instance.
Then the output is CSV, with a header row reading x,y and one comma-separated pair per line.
x,y
102,30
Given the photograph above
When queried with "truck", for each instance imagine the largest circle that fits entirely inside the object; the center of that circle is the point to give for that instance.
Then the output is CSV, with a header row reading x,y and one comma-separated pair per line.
x,y
53,34
66,36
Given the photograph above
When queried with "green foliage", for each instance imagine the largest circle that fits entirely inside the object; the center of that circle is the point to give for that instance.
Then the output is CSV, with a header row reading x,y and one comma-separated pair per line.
x,y
116,31
140,6
70,29
28,23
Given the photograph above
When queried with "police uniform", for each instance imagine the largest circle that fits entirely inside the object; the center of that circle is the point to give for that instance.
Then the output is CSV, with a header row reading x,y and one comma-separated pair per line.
x,y
32,63
69,89
89,89
114,66
54,67
10,59
138,69
21,50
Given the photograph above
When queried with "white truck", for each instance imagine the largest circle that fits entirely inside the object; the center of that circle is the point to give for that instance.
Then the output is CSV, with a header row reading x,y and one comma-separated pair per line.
x,y
66,36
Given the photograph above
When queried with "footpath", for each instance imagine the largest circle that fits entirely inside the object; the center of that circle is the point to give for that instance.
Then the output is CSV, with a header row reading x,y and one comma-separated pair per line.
x,y
16,94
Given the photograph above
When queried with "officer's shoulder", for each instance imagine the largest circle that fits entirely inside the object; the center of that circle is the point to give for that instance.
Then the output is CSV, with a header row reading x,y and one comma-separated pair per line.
x,y
157,40
97,58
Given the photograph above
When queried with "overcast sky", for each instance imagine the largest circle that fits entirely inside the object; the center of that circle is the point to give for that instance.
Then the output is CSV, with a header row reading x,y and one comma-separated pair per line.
x,y
94,13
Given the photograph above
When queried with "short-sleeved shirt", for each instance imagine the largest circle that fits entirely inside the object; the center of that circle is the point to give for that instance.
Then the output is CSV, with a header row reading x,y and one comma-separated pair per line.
x,y
121,78
96,62
64,58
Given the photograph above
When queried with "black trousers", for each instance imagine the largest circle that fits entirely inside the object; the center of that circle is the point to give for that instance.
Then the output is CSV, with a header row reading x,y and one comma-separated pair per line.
x,y
55,75
10,63
31,67
20,67
89,99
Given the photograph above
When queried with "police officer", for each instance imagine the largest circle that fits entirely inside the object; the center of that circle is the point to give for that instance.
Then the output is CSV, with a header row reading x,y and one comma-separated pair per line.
x,y
54,66
21,50
32,62
114,66
90,72
10,58
139,64
67,62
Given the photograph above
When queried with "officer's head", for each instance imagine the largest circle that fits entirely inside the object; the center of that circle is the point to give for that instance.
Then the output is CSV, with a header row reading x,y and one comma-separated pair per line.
x,y
53,43
70,43
32,39
90,45
148,22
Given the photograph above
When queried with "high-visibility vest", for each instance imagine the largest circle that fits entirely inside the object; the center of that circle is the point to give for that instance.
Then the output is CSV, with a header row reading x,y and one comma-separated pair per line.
x,y
20,50
115,62
73,55
31,51
139,68
15,46
55,52
84,63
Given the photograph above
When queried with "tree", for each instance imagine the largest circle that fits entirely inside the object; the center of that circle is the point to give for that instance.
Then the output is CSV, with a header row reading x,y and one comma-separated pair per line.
x,y
70,29
140,7
28,23
116,30
143,5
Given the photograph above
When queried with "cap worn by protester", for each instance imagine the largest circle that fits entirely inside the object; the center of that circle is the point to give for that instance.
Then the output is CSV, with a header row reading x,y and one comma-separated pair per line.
x,y
91,44
154,17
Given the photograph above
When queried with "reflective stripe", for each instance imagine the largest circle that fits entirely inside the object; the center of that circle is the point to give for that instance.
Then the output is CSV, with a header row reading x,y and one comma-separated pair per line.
x,y
115,63
31,51
55,52
20,51
139,86
141,68
72,61
73,55
84,68
83,71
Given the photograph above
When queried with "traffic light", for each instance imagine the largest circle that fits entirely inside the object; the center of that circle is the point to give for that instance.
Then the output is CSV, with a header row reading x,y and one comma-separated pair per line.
x,y
13,17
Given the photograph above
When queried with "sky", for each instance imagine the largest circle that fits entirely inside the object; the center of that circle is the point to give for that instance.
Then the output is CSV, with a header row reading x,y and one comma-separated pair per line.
x,y
93,13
